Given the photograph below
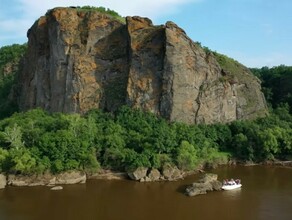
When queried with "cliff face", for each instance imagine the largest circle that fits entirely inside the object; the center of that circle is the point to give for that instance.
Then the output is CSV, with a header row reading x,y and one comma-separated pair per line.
x,y
79,60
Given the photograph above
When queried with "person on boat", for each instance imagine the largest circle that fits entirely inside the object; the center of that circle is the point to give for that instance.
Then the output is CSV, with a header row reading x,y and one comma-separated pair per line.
x,y
232,182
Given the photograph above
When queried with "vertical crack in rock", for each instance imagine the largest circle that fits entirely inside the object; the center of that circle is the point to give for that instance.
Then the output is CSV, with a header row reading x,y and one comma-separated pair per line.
x,y
146,64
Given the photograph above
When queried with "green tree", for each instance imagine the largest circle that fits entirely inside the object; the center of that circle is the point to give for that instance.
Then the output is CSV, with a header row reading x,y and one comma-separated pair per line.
x,y
187,156
3,159
243,150
21,161
269,143
13,136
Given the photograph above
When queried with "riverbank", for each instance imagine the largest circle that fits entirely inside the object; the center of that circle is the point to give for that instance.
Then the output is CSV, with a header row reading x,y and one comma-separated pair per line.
x,y
141,174
72,177
287,163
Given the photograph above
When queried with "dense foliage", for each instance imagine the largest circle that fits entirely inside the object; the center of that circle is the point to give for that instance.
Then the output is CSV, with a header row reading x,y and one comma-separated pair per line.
x,y
104,10
11,53
35,141
9,67
276,83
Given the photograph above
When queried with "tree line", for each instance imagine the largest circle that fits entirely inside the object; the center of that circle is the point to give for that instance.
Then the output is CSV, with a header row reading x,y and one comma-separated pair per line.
x,y
36,141
276,84
10,57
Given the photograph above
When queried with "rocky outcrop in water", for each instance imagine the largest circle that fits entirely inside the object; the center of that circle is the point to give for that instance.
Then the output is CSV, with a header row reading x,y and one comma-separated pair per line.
x,y
207,183
78,60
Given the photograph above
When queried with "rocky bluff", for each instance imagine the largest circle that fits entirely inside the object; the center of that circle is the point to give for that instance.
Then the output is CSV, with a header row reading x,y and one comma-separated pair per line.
x,y
78,60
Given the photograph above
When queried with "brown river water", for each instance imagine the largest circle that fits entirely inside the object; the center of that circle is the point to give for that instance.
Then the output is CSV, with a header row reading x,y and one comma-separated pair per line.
x,y
266,194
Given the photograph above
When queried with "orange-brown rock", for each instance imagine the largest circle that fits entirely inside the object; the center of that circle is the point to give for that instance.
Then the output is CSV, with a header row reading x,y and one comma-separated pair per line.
x,y
79,60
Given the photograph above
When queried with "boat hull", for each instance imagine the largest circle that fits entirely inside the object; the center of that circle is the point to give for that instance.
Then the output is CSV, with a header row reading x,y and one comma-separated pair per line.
x,y
231,187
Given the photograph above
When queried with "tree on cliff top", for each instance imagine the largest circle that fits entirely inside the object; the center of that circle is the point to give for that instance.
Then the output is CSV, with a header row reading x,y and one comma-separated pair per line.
x,y
104,11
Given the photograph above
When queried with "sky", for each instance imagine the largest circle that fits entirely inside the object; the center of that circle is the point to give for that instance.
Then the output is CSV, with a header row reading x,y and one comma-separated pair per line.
x,y
256,33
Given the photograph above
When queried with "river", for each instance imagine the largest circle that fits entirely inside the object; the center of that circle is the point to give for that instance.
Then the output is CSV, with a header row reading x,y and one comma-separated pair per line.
x,y
266,194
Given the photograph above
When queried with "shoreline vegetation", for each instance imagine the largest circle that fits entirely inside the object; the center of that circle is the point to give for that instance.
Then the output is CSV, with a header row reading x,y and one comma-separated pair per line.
x,y
133,144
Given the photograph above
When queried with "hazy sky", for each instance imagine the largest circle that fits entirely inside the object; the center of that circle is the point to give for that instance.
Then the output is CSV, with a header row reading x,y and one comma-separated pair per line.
x,y
255,32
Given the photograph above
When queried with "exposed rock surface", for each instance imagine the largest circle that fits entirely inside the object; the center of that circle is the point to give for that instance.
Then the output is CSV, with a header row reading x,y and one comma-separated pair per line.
x,y
47,179
154,175
108,175
138,173
172,173
2,181
169,173
78,60
208,183
40,180
72,177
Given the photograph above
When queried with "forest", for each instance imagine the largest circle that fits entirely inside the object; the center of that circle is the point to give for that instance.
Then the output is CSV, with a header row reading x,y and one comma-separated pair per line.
x,y
36,141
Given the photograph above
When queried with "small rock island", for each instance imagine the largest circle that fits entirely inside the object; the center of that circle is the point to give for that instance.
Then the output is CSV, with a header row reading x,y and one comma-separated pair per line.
x,y
207,183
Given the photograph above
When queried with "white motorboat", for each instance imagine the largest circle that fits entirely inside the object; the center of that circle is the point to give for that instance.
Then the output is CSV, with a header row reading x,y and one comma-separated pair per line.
x,y
231,187
231,184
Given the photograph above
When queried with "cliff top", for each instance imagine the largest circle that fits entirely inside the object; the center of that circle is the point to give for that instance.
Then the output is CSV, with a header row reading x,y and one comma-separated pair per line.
x,y
113,14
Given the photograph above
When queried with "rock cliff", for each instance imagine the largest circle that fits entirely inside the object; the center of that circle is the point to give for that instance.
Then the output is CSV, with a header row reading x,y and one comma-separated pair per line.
x,y
78,60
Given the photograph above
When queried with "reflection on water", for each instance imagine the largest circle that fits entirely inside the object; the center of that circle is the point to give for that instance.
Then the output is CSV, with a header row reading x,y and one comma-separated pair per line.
x,y
232,194
266,194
